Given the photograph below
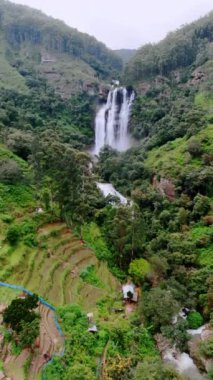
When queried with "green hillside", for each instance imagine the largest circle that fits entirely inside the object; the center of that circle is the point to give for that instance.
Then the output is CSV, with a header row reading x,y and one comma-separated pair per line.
x,y
125,54
189,45
34,44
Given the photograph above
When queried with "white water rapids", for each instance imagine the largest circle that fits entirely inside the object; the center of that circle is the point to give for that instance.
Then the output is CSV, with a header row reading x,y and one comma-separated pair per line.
x,y
112,120
108,189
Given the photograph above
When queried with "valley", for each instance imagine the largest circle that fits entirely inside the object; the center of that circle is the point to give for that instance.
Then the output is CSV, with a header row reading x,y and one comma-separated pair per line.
x,y
105,184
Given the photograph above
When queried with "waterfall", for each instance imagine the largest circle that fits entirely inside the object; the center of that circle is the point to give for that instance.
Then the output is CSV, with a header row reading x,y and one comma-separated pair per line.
x,y
112,120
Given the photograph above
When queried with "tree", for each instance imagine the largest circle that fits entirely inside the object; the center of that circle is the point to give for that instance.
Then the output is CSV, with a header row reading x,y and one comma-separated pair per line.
x,y
194,147
158,307
20,143
13,234
19,311
154,369
10,171
177,333
118,368
195,320
201,206
139,269
29,332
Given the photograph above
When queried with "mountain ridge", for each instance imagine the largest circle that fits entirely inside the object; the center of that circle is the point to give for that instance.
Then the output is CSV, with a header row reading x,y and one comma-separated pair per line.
x,y
67,58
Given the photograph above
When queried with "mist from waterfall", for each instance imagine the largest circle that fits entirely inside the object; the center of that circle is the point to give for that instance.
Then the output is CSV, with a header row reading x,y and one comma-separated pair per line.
x,y
112,120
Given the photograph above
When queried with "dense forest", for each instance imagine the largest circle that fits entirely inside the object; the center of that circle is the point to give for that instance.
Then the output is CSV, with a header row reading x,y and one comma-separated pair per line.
x,y
190,45
51,211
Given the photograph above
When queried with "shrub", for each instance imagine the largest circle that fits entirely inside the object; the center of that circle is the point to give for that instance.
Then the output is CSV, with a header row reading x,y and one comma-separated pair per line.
x,y
178,334
139,269
7,218
195,320
10,171
13,234
155,369
159,306
201,206
30,241
194,148
79,372
206,348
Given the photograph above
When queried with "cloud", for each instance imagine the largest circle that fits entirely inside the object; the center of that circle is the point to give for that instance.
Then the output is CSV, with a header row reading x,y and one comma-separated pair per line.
x,y
121,23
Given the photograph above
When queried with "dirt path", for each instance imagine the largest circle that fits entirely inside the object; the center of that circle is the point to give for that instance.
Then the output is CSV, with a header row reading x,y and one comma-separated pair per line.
x,y
103,361
50,342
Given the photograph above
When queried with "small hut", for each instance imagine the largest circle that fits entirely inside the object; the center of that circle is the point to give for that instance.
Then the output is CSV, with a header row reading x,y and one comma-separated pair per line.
x,y
129,293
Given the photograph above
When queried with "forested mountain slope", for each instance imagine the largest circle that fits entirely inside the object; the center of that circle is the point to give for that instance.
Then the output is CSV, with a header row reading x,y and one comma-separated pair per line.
x,y
125,54
189,45
33,44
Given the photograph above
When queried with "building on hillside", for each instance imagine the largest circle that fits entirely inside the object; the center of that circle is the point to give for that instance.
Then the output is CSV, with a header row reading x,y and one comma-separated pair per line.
x,y
129,292
93,329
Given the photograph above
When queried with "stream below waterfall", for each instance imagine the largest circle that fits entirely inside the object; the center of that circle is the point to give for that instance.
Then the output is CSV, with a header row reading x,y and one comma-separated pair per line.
x,y
108,189
184,364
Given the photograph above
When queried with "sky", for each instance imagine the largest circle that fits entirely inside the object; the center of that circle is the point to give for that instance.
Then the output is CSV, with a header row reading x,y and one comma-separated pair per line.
x,y
124,23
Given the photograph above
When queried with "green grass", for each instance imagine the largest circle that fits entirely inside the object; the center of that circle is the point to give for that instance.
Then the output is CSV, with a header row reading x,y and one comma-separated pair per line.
x,y
205,100
89,275
7,295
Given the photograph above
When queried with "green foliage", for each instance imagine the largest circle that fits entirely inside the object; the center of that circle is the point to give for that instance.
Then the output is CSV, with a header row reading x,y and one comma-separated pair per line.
x,y
195,320
139,269
194,148
10,172
27,365
81,346
20,310
201,206
95,239
158,306
154,369
25,231
89,275
7,218
206,348
178,50
76,59
15,349
13,234
29,332
177,334
80,372
210,374
1,365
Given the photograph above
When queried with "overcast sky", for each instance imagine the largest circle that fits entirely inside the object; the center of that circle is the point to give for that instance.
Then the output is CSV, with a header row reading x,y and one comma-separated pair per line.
x,y
124,23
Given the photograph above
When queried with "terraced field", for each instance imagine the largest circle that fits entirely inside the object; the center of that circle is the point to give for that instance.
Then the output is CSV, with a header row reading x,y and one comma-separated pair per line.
x,y
53,268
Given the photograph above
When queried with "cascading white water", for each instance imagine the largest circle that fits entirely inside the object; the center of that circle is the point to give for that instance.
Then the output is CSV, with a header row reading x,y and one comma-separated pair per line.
x,y
112,120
